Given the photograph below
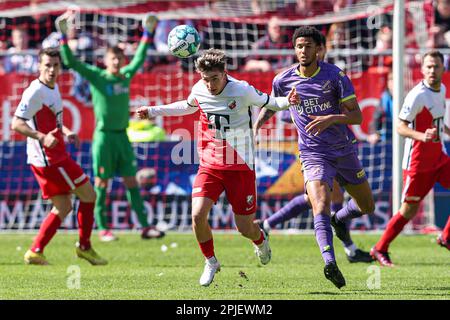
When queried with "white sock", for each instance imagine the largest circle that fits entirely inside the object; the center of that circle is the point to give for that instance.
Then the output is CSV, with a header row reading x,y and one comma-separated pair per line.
x,y
350,250
212,260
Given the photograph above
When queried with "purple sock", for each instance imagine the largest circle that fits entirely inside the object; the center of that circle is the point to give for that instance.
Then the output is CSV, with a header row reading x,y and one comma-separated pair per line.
x,y
335,207
349,212
292,209
324,237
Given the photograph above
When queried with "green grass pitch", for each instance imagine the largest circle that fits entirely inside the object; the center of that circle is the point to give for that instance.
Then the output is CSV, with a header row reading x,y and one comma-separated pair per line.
x,y
139,269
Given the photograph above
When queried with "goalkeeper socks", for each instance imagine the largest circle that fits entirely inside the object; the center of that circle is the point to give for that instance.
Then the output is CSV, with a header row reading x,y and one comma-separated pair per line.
x,y
85,223
446,231
260,240
100,209
46,232
349,212
324,237
292,209
393,229
207,248
135,199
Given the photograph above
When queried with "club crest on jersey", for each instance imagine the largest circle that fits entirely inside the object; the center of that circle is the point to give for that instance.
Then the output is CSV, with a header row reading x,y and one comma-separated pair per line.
x,y
326,87
232,104
250,200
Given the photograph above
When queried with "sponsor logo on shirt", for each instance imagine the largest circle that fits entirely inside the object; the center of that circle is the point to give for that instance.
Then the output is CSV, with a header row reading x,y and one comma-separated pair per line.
x,y
312,106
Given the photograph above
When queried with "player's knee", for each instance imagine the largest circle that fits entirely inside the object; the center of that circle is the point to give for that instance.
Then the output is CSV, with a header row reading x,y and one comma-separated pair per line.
x,y
63,210
199,218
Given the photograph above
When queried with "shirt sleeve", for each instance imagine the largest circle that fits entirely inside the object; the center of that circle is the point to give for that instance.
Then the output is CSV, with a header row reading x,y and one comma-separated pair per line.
x,y
345,87
411,107
29,105
254,97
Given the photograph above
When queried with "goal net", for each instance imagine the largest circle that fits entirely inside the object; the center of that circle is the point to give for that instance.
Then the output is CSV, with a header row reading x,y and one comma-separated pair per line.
x,y
359,40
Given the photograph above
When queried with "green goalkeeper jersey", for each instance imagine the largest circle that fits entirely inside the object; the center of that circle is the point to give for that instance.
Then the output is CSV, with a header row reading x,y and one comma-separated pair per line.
x,y
110,94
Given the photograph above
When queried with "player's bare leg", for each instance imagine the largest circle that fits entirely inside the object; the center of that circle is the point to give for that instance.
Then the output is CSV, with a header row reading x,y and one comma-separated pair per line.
x,y
85,217
250,230
101,218
137,203
394,227
320,197
444,238
62,206
201,206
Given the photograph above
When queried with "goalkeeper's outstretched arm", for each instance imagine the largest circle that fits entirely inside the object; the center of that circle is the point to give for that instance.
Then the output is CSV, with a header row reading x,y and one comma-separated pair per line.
x,y
149,24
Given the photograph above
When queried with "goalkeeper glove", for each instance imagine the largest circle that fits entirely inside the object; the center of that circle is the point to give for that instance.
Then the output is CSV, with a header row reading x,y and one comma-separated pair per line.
x,y
61,24
149,22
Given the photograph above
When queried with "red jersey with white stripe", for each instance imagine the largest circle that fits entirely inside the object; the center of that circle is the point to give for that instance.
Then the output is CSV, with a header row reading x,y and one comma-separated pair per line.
x,y
225,138
424,108
42,107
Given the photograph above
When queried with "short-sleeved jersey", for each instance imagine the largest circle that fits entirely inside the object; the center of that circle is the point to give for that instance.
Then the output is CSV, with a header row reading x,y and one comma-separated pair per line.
x,y
321,94
225,138
424,108
41,106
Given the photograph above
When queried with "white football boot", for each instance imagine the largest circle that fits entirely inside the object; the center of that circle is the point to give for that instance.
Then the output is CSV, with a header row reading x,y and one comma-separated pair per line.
x,y
212,266
263,251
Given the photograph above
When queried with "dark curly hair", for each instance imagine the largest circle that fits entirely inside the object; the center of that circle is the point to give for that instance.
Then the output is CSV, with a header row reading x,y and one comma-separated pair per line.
x,y
307,32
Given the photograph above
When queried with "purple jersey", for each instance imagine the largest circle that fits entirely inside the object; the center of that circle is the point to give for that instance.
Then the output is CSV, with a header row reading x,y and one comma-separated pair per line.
x,y
321,94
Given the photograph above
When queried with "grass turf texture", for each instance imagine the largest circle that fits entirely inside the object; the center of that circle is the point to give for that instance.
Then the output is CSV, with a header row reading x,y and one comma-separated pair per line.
x,y
139,269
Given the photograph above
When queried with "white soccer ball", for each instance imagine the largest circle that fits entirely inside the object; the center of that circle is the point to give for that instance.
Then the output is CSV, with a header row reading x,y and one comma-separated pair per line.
x,y
183,41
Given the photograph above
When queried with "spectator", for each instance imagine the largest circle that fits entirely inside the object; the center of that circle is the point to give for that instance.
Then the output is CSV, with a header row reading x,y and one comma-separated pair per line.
x,y
18,58
381,124
276,38
442,15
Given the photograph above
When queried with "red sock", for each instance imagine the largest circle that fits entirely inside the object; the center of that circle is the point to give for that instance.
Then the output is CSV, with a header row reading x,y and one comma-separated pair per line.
x,y
85,223
46,232
394,227
207,248
260,240
446,232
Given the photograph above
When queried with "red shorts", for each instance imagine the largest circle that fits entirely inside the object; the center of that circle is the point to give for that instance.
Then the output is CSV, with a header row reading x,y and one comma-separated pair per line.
x,y
239,186
416,185
60,178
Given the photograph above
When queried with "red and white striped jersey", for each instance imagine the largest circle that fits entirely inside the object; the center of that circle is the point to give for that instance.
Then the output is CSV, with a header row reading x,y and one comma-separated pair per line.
x,y
225,138
42,107
424,108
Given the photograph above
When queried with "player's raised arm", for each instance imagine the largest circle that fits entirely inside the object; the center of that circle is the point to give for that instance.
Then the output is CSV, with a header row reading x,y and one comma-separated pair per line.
x,y
63,23
178,108
149,24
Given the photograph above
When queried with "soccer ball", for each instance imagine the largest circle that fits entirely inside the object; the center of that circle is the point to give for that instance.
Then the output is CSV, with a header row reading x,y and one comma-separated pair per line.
x,y
183,41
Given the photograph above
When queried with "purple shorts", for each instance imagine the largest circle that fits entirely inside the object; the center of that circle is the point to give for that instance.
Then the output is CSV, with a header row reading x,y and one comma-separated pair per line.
x,y
346,169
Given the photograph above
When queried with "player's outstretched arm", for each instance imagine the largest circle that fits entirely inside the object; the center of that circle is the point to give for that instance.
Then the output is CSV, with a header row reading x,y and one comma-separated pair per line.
x,y
148,24
178,108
